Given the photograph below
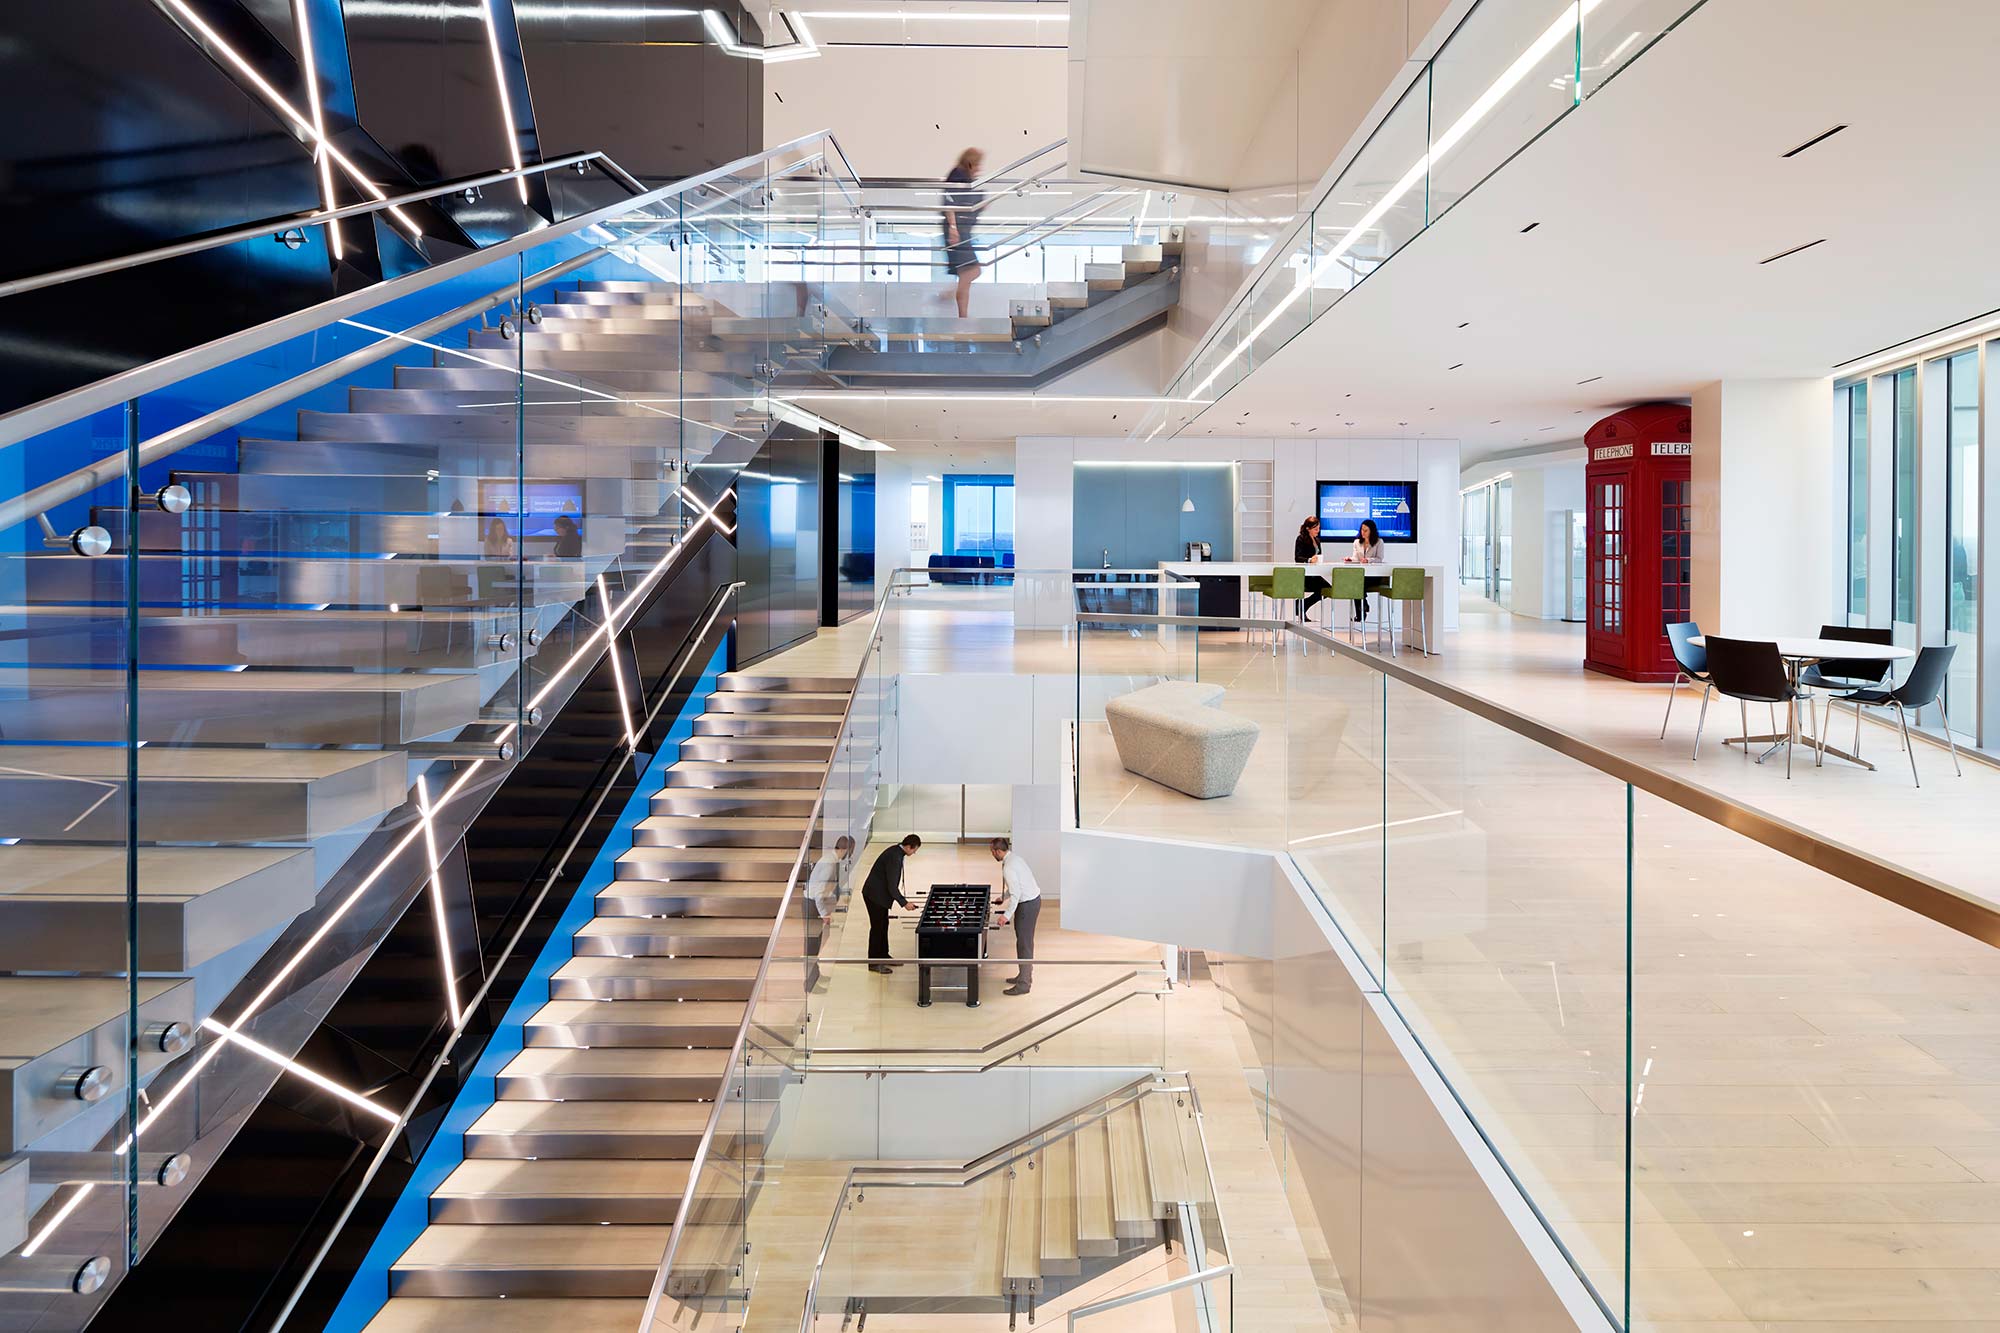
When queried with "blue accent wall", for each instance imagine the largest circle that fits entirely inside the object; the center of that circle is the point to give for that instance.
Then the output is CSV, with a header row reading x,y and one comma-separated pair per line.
x,y
1135,513
411,1213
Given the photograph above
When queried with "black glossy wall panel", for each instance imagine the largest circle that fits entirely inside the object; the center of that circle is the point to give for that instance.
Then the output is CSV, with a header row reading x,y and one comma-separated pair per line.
x,y
127,129
778,544
847,533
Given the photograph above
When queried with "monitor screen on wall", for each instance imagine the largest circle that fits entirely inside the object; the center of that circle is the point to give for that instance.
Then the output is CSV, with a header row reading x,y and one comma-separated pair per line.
x,y
1343,504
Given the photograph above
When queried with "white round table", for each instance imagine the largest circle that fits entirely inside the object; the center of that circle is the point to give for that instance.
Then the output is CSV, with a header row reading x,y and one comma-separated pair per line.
x,y
1798,653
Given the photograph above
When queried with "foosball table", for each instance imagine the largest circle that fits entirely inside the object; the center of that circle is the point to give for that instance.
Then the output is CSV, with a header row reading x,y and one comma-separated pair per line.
x,y
952,928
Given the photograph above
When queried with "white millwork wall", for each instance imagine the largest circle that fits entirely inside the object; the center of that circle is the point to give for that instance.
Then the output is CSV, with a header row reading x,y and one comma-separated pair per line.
x,y
1762,496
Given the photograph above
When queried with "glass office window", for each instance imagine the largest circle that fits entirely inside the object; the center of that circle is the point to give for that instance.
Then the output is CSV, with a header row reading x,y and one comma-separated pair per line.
x,y
1503,544
1904,443
979,516
1855,401
1472,510
1961,517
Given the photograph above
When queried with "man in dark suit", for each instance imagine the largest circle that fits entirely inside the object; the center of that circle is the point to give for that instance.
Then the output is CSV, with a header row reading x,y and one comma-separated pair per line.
x,y
883,887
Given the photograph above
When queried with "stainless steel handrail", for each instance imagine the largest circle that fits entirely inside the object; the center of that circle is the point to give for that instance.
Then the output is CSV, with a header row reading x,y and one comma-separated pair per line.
x,y
1018,1034
1021,161
1928,897
1055,231
118,389
392,1142
1133,1297
252,230
702,1150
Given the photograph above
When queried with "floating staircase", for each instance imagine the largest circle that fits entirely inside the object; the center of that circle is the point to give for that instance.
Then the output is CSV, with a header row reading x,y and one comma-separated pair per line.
x,y
1099,1190
571,1180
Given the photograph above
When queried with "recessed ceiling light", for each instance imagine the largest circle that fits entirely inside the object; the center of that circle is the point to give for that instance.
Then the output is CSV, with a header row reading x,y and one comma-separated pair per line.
x,y
1592,380
1530,227
1455,367
1548,428
1494,422
1467,324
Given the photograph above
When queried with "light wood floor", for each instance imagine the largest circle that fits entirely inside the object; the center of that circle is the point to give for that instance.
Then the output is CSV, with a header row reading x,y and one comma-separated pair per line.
x,y
1815,1073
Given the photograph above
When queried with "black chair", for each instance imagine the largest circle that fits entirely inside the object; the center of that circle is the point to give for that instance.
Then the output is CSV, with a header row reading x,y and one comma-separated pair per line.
x,y
1923,687
1848,673
1751,672
1692,660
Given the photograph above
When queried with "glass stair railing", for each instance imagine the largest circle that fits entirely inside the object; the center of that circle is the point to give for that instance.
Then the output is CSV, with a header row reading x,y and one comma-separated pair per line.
x,y
277,619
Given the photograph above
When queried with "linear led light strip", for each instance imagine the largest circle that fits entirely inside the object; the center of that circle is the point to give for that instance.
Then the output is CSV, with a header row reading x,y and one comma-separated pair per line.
x,y
437,900
319,125
290,1066
804,48
230,1030
617,665
506,100
1565,25
271,95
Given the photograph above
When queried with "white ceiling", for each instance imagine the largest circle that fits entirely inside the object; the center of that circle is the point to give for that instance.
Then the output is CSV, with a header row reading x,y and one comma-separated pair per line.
x,y
1656,200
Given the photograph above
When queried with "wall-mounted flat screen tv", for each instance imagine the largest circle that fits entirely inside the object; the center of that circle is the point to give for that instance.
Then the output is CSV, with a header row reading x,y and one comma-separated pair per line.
x,y
1343,504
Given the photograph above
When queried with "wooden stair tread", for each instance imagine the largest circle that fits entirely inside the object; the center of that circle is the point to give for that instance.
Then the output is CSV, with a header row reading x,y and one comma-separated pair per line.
x,y
1096,1228
1166,1162
1022,1267
1059,1219
1131,1187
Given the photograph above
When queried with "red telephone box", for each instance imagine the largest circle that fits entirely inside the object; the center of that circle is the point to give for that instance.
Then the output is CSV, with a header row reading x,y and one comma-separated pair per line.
x,y
1636,487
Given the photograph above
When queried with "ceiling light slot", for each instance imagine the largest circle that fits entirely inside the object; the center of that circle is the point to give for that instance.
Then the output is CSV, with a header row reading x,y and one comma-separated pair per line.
x,y
1819,138
1787,254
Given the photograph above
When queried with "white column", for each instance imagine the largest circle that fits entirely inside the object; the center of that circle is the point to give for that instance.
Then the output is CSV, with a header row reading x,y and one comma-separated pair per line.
x,y
1762,492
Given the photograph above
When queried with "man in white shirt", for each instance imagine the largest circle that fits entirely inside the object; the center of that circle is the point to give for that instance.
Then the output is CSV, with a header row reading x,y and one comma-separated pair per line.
x,y
1020,900
823,892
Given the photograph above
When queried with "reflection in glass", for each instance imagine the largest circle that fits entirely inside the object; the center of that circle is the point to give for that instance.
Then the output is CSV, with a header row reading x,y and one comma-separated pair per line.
x,y
1961,510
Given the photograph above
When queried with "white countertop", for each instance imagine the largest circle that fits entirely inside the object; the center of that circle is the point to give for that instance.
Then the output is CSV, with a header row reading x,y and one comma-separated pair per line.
x,y
1225,568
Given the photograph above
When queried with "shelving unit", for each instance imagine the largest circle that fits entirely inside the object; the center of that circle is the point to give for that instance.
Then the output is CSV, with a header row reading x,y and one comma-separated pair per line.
x,y
1254,497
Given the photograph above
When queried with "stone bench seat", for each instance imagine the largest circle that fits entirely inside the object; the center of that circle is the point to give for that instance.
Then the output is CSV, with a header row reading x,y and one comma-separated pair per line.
x,y
1173,734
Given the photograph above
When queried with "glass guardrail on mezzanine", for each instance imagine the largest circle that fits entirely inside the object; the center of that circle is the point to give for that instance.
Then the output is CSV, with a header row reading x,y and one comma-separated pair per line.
x,y
1739,1071
281,615
1508,71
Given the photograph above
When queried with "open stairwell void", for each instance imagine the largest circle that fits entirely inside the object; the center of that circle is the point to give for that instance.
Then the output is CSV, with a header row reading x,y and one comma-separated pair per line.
x,y
560,1213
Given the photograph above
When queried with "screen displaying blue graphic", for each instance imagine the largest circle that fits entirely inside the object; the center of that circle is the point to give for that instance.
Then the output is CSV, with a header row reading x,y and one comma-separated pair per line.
x,y
544,500
1343,504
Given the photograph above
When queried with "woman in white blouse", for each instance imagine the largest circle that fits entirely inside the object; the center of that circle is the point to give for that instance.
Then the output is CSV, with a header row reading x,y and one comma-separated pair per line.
x,y
1367,551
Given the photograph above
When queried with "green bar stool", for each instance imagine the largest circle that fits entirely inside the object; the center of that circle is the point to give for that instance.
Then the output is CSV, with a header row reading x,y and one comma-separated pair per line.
x,y
1288,584
1346,583
1260,587
1406,584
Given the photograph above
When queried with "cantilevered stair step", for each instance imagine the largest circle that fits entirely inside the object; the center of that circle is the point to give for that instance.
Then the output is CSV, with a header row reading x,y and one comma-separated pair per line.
x,y
635,1023
822,703
1057,1178
758,802
293,581
237,707
64,908
664,979
683,936
648,861
700,898
574,1191
530,1260
1096,1228
419,417
719,723
1166,1162
612,1073
1132,1206
762,682
433,1314
774,773
613,1129
200,794
402,640
717,831
812,749
1021,1268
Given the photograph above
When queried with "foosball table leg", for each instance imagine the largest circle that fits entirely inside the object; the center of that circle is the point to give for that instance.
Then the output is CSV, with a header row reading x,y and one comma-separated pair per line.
x,y
923,986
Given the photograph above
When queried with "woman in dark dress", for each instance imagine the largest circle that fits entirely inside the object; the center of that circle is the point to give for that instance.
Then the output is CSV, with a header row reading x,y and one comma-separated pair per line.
x,y
1305,550
961,210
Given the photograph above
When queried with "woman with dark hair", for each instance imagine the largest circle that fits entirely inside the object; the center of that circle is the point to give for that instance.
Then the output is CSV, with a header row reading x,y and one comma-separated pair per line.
x,y
1367,551
569,539
961,210
1305,550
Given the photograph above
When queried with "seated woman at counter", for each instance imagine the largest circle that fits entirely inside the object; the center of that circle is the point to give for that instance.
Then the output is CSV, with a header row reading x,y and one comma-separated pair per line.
x,y
1367,551
1305,550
